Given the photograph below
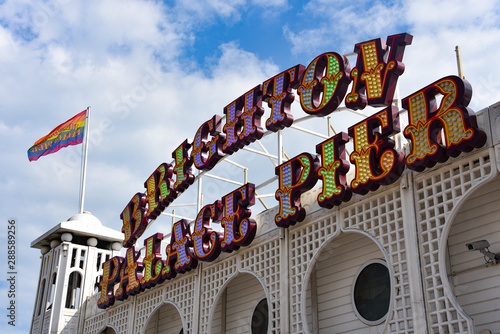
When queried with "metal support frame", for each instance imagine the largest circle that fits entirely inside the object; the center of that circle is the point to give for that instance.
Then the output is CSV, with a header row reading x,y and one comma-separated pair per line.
x,y
276,160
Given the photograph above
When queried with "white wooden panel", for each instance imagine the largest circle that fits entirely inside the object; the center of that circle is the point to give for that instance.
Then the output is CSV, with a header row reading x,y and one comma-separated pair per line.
x,y
152,325
165,320
476,286
336,269
169,321
216,319
243,294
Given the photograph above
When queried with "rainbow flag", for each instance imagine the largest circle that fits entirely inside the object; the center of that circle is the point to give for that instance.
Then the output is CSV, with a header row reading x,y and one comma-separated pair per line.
x,y
68,133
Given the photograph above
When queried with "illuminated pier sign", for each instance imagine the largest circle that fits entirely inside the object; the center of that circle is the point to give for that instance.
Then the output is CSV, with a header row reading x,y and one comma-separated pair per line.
x,y
435,132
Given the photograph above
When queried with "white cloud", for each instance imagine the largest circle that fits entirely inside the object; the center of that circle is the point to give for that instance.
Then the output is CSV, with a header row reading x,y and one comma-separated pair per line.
x,y
6,131
195,13
339,24
234,60
429,15
270,3
437,28
55,61
8,47
305,40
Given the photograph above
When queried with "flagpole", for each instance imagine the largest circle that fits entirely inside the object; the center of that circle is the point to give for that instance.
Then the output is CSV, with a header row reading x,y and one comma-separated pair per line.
x,y
84,165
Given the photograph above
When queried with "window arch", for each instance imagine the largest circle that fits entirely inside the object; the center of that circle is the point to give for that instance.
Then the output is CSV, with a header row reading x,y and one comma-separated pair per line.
x,y
41,296
74,290
328,298
52,291
108,330
240,307
166,319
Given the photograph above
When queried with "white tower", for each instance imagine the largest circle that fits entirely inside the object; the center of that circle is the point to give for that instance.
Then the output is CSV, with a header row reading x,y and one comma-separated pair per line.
x,y
72,255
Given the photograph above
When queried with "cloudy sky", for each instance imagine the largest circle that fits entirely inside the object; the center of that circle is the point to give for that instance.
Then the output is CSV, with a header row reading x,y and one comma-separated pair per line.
x,y
154,71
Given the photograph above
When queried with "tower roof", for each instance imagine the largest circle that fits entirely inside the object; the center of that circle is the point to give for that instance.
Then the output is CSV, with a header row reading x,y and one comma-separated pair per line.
x,y
83,225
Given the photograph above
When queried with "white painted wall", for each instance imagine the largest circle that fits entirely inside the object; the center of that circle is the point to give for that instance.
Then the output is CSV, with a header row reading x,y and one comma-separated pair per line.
x,y
243,294
476,286
336,268
165,320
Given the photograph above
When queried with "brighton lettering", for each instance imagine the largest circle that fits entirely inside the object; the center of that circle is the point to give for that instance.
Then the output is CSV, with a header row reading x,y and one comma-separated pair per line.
x,y
436,131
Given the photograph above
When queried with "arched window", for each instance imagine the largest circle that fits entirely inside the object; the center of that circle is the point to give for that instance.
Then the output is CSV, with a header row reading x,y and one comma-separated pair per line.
x,y
260,317
74,290
41,293
98,279
52,291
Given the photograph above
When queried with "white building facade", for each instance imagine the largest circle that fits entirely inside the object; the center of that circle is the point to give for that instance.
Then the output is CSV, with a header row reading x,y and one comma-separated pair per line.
x,y
420,229
71,266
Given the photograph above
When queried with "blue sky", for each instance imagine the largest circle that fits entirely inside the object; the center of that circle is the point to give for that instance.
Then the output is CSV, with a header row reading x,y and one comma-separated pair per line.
x,y
154,71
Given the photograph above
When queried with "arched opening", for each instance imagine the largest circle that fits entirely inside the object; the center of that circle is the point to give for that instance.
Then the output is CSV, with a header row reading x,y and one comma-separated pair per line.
x,y
344,291
41,293
472,275
241,307
74,290
108,330
52,291
165,320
